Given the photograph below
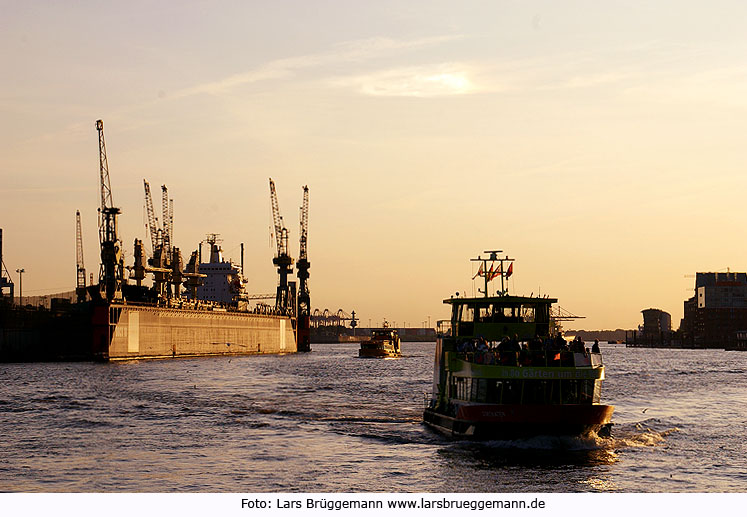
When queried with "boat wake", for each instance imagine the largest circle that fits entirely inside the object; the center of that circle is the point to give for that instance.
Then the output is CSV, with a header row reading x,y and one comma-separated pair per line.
x,y
640,434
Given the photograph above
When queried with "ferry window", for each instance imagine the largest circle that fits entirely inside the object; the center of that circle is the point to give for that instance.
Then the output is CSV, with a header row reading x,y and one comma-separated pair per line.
x,y
468,313
542,314
527,313
534,392
486,313
569,391
553,395
481,394
512,392
586,391
493,394
597,398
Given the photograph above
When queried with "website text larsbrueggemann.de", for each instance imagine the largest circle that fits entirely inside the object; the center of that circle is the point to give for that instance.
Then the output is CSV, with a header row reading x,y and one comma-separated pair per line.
x,y
441,503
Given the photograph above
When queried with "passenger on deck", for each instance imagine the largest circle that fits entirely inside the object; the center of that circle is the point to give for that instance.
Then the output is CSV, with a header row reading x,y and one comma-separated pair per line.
x,y
595,347
535,344
578,345
560,343
464,346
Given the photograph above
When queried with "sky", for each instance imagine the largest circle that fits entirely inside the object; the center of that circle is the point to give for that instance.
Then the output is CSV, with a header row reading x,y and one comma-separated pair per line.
x,y
599,144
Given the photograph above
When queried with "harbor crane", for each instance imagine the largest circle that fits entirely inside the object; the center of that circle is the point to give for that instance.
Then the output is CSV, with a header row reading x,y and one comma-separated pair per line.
x,y
283,261
303,265
80,287
111,273
167,206
153,228
166,264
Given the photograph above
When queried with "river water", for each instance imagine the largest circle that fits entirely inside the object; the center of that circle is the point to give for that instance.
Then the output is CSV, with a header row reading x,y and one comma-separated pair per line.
x,y
331,422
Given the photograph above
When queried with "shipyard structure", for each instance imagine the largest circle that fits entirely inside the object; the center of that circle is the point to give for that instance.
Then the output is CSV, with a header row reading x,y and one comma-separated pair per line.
x,y
717,313
160,306
714,317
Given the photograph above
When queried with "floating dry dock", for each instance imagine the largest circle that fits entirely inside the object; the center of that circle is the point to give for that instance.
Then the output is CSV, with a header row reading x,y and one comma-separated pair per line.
x,y
197,309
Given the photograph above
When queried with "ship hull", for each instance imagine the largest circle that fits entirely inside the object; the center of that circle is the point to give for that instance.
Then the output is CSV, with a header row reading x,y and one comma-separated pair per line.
x,y
509,421
134,332
121,332
378,352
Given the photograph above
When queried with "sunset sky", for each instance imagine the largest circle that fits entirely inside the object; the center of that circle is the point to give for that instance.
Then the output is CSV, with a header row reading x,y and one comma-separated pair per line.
x,y
600,144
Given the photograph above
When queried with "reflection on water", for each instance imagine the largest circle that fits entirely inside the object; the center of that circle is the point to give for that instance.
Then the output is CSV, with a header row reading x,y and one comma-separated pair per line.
x,y
331,422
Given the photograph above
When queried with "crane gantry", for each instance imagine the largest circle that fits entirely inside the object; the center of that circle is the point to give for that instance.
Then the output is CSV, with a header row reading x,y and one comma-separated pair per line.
x,y
284,262
166,264
80,287
167,208
111,273
304,301
153,228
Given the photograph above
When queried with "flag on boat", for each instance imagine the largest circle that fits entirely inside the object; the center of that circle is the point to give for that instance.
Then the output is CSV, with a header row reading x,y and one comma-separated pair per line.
x,y
480,272
510,270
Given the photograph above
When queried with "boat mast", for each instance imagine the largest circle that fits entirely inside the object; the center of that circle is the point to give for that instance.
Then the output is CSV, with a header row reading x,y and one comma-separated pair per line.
x,y
484,267
489,274
504,291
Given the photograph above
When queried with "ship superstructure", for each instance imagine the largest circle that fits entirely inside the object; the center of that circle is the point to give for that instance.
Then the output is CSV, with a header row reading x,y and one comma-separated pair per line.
x,y
223,280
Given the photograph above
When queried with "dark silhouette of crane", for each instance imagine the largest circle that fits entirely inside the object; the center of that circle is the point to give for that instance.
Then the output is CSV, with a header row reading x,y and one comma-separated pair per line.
x,y
284,262
111,273
80,287
303,265
153,228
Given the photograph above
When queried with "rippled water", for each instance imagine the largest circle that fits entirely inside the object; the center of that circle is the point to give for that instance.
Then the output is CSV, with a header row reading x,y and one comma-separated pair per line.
x,y
331,422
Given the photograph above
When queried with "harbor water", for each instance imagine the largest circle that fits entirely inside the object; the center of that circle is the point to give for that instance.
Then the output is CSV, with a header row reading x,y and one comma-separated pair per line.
x,y
329,421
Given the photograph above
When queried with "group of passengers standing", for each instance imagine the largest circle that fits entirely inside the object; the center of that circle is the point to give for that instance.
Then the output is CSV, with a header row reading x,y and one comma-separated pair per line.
x,y
536,344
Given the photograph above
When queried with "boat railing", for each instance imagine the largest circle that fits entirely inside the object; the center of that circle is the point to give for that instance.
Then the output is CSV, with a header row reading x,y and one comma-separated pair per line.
x,y
534,358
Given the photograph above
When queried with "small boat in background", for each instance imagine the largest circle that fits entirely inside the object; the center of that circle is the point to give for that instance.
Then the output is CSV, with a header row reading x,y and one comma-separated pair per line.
x,y
383,343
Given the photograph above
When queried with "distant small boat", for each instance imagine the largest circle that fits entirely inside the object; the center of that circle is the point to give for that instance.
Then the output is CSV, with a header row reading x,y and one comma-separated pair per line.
x,y
383,343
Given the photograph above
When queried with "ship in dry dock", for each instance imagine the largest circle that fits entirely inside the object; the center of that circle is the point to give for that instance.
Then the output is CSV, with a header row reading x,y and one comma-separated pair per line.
x,y
197,309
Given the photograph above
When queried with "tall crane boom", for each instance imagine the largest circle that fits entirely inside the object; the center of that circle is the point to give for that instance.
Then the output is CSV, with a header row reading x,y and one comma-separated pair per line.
x,y
152,221
80,286
106,189
111,273
166,221
285,297
281,233
81,268
304,223
303,265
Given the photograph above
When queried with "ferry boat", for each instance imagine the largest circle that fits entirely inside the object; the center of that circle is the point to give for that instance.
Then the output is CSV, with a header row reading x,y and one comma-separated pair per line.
x,y
499,373
383,343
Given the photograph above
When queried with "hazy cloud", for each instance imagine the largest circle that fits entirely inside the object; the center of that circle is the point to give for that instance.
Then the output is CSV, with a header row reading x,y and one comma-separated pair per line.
x,y
347,52
419,81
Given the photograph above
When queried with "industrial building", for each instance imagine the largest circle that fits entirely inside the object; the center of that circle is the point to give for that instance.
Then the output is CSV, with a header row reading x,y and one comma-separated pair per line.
x,y
717,311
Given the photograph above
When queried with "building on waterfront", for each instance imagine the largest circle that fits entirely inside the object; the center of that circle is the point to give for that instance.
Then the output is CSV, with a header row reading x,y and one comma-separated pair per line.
x,y
717,311
656,330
